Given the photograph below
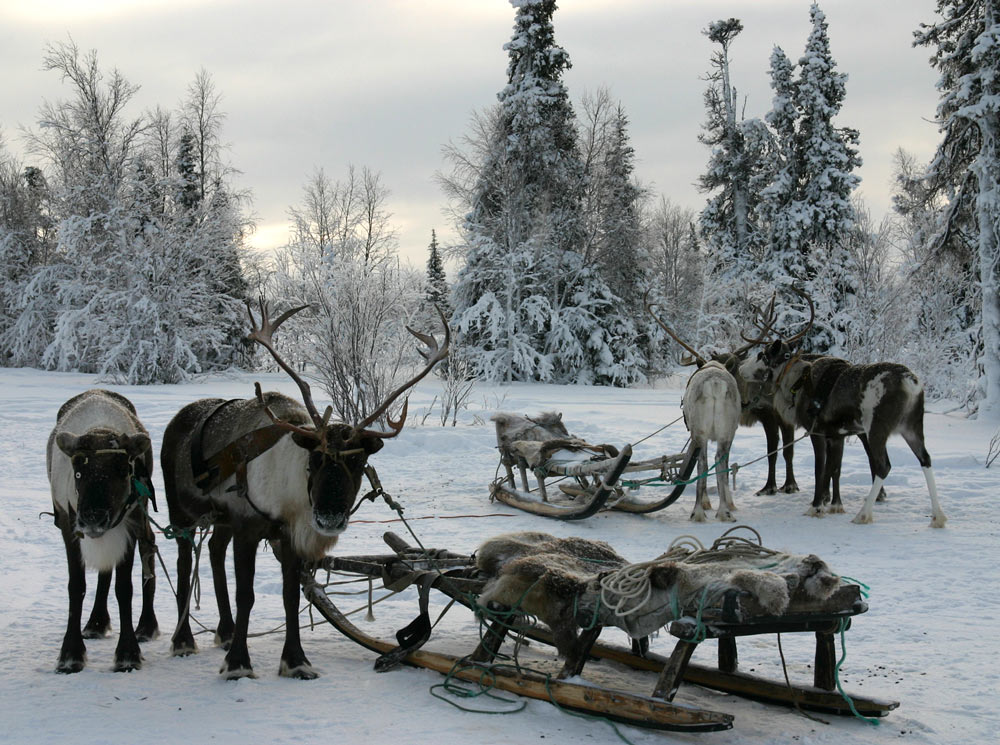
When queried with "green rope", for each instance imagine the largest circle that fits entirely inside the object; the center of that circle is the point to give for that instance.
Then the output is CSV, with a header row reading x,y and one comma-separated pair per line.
x,y
700,629
486,684
836,674
657,481
865,589
170,531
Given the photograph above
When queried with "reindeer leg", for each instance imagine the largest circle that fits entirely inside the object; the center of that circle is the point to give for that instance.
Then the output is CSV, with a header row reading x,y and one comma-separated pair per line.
x,y
771,435
864,441
182,643
99,624
127,655
701,485
217,547
73,655
237,664
788,453
293,660
148,628
834,460
726,504
880,467
821,492
916,442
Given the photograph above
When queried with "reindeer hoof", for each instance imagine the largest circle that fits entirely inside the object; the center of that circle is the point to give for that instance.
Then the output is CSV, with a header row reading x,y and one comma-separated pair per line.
x,y
97,630
814,512
836,509
223,639
128,665
303,671
237,673
71,666
698,517
767,490
146,632
726,517
183,649
863,519
939,521
790,488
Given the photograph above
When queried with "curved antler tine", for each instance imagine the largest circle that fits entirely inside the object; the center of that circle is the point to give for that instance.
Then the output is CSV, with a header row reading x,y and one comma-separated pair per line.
x,y
433,355
396,426
687,360
264,334
649,309
273,417
812,315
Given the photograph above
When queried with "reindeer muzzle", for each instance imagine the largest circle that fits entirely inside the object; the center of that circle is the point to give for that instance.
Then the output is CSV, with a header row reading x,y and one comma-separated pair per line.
x,y
330,524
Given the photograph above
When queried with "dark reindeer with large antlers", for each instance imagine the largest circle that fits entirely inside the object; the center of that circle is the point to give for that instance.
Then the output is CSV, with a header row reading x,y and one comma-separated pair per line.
x,y
267,468
831,398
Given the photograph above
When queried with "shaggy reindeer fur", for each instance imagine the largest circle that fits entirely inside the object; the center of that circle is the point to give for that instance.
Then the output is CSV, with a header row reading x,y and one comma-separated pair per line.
x,y
712,414
96,451
560,580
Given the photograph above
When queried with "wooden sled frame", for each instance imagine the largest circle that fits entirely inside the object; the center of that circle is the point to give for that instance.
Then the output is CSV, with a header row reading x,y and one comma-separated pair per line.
x,y
457,577
595,481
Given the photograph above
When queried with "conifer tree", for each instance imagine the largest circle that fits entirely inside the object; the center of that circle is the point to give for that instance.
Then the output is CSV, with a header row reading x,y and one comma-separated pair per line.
x,y
528,307
966,167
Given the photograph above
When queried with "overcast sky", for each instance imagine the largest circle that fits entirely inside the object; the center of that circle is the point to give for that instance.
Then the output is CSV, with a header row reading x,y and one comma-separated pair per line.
x,y
386,83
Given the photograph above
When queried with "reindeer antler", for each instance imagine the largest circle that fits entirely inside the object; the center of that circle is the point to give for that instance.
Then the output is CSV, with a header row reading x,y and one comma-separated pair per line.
x,y
812,315
433,355
764,321
649,308
263,335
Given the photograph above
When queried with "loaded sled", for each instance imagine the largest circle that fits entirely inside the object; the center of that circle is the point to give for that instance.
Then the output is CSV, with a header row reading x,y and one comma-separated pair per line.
x,y
578,588
588,477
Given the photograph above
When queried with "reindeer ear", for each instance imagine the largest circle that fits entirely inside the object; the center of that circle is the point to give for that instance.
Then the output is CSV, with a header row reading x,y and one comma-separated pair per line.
x,y
137,444
67,442
372,444
307,441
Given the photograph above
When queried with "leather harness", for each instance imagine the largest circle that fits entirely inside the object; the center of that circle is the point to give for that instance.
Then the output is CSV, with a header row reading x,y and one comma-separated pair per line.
x,y
232,460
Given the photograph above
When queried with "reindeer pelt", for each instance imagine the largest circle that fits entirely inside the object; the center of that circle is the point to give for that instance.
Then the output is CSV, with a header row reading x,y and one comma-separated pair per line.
x,y
559,580
546,426
541,574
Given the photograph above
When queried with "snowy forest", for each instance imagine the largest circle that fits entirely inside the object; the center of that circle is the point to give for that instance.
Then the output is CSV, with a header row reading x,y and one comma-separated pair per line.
x,y
123,237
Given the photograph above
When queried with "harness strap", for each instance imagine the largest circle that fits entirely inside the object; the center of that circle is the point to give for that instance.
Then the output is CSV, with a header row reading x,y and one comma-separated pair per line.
x,y
233,458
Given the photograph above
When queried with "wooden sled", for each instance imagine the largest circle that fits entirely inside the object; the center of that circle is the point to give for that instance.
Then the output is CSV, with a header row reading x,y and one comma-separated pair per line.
x,y
456,576
589,475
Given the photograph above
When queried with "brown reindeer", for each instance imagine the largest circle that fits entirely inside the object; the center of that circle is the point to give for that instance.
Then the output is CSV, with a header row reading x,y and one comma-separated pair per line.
x,y
831,399
267,468
99,463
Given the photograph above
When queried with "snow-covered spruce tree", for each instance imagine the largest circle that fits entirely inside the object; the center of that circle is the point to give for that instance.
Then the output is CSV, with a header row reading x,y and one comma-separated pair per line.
x,y
966,167
729,222
785,263
527,306
436,283
827,156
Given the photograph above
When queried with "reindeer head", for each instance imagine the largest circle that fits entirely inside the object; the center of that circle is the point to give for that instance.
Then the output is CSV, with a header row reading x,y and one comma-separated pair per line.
x,y
775,356
338,452
103,465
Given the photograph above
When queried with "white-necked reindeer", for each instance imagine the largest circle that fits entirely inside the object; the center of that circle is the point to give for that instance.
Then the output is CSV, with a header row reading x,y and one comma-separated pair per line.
x,y
99,461
711,406
266,468
831,399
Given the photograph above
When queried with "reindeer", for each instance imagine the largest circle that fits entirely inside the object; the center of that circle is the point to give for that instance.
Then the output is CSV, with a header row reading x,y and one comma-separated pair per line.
x,y
275,470
712,414
831,399
754,406
99,461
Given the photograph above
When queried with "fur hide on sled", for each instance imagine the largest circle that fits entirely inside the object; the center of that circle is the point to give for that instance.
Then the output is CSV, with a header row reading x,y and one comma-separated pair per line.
x,y
572,582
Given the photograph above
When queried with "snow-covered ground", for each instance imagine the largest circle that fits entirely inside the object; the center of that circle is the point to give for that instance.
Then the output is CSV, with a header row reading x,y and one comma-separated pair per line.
x,y
929,639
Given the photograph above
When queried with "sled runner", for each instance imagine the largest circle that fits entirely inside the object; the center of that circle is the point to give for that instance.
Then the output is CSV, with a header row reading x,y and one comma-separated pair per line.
x,y
589,477
726,613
